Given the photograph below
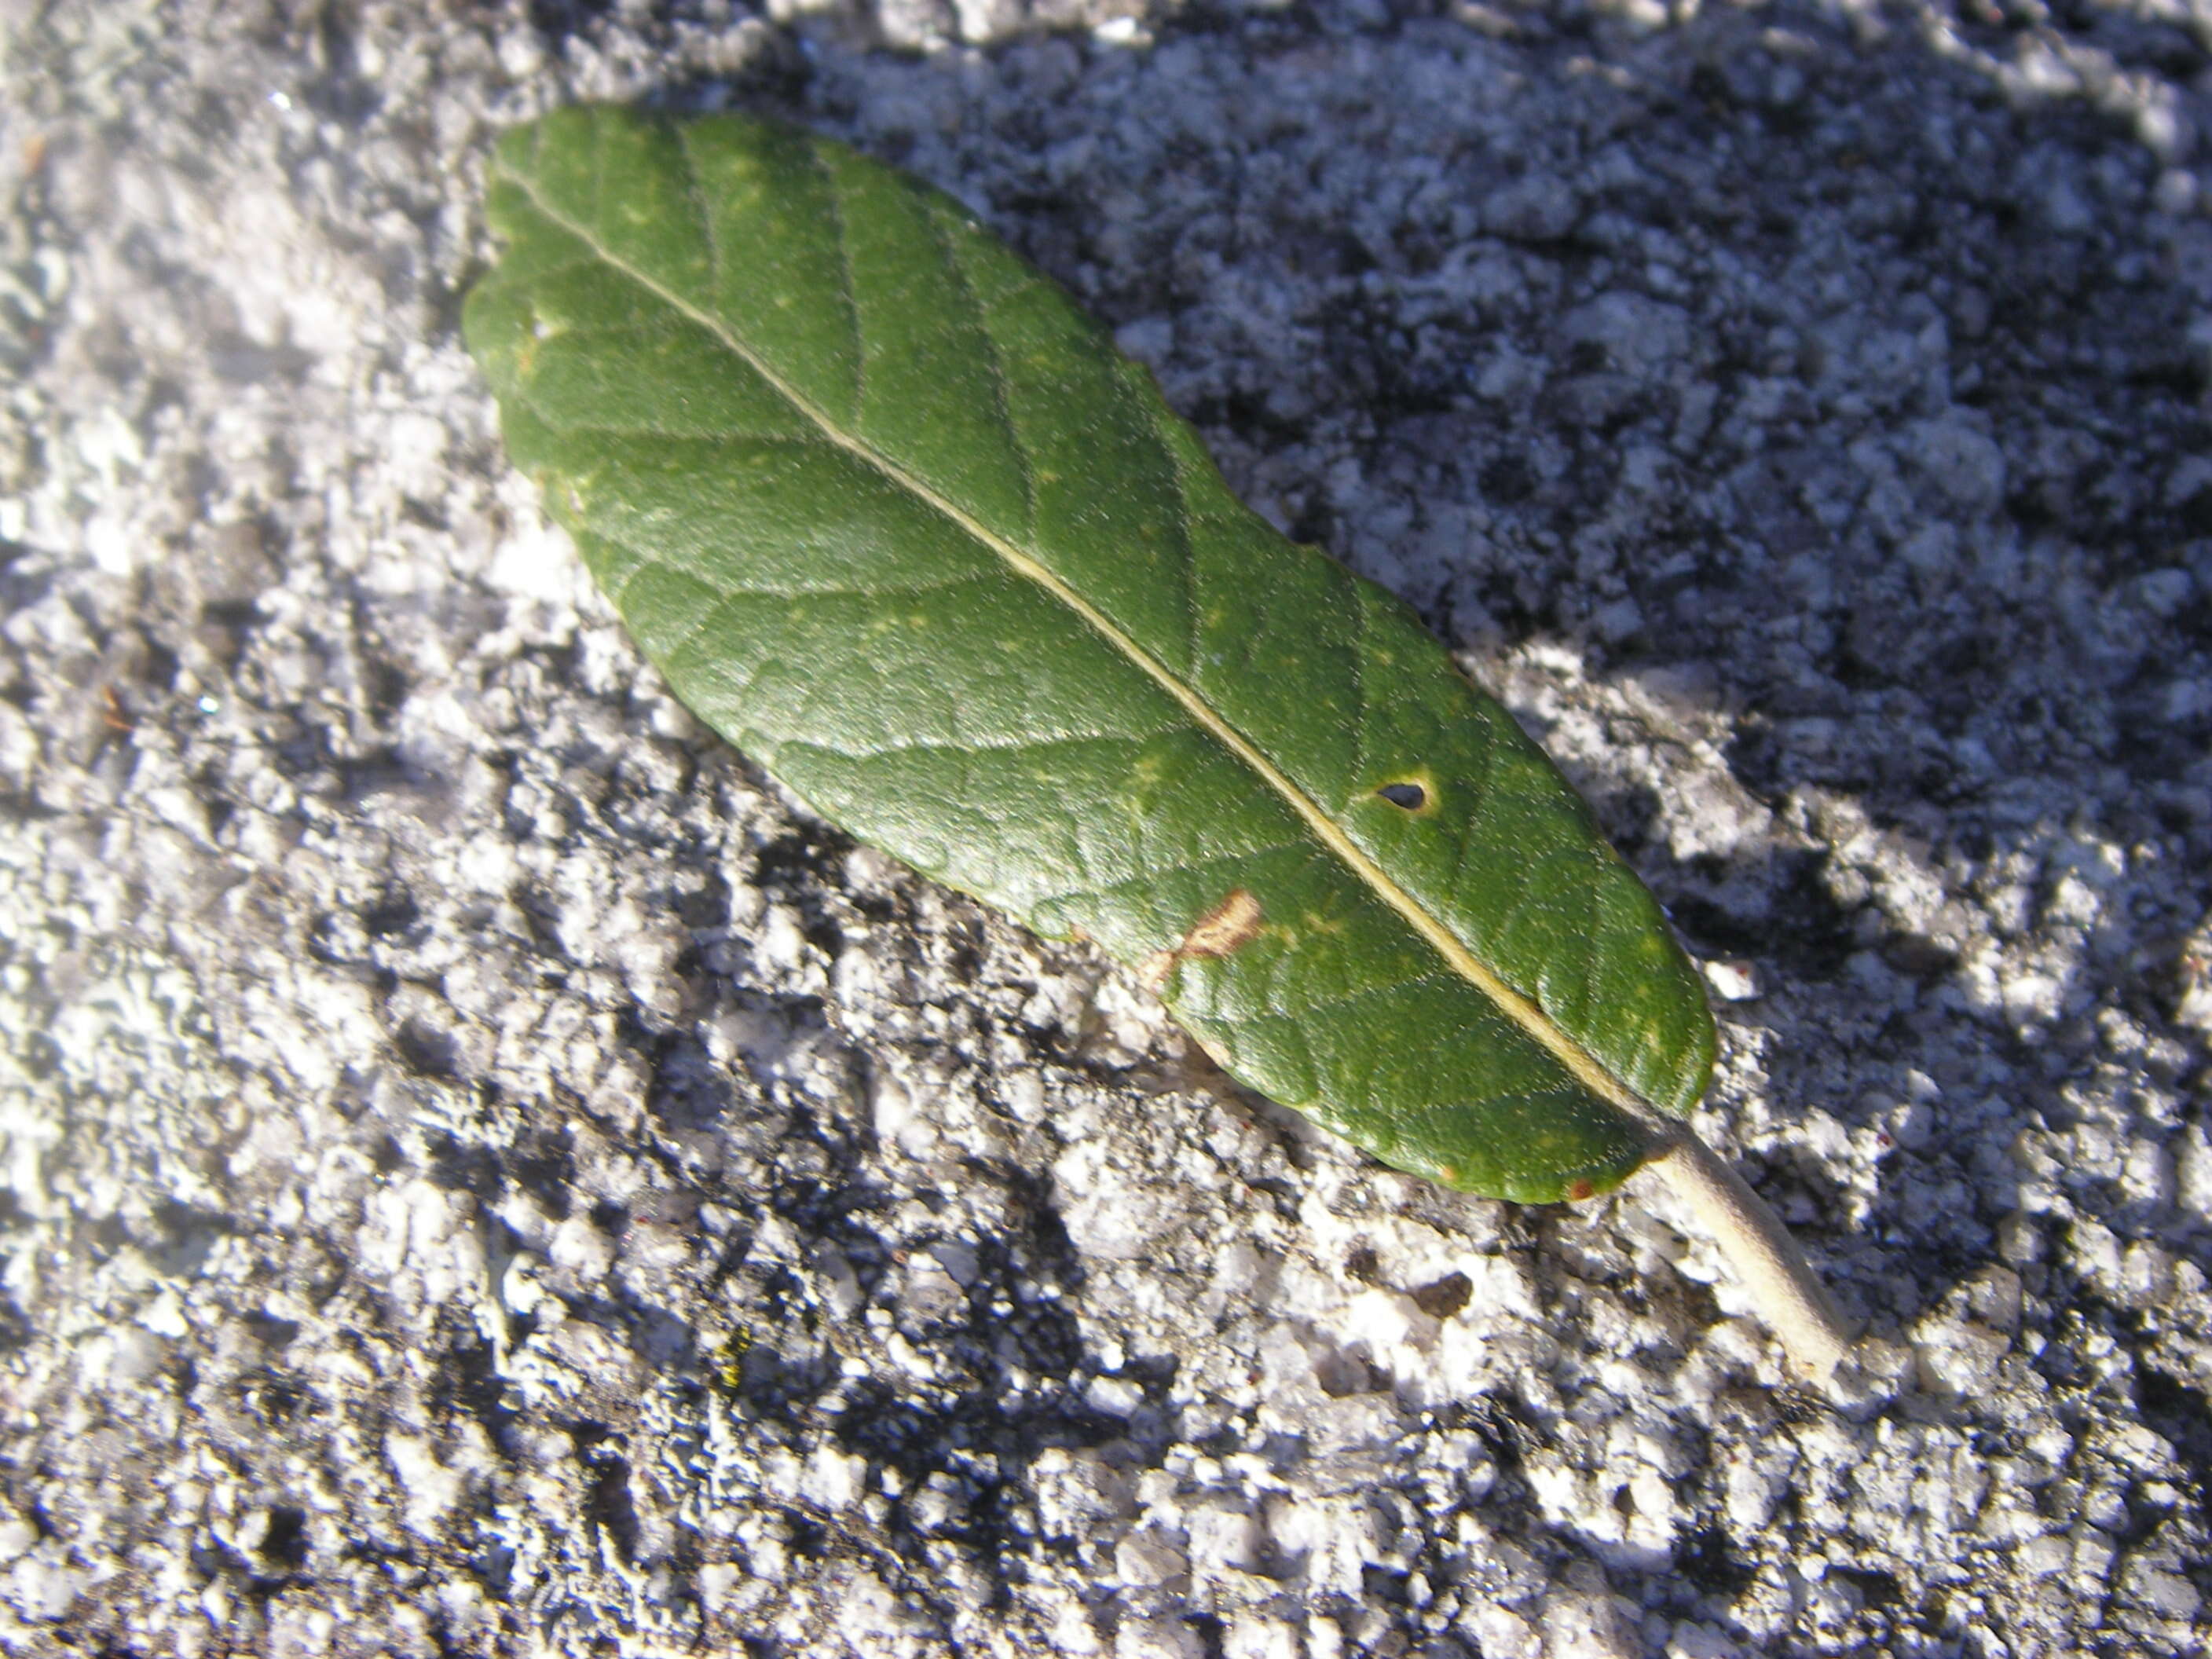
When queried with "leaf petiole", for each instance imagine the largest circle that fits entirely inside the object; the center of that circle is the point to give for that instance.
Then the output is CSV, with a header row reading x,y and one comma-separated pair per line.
x,y
1789,1297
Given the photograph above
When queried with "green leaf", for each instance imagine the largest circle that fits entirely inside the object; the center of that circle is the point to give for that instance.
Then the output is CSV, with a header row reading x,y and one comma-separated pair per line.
x,y
897,521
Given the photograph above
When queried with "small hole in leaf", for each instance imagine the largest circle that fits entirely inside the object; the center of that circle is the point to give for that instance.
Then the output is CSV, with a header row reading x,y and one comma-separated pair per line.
x,y
1411,796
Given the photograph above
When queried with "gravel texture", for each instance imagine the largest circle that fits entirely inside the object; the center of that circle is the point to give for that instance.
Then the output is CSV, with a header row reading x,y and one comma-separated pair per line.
x,y
483,1174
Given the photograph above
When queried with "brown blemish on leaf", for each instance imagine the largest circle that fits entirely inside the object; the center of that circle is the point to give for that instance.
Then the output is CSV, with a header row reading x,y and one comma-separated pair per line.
x,y
1223,931
1579,1190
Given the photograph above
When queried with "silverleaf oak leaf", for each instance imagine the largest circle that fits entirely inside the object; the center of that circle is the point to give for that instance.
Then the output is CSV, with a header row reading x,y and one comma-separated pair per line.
x,y
899,521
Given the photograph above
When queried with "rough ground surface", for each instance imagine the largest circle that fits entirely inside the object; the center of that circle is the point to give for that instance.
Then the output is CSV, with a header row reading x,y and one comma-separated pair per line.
x,y
485,1176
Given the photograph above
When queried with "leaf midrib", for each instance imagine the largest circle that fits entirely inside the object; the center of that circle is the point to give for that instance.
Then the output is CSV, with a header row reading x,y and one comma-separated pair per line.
x,y
1581,1065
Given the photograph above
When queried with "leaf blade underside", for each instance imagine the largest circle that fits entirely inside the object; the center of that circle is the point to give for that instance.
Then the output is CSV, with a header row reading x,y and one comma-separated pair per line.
x,y
900,522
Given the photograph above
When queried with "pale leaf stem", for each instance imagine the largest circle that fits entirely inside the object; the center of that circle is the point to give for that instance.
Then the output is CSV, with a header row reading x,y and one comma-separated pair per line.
x,y
1767,1262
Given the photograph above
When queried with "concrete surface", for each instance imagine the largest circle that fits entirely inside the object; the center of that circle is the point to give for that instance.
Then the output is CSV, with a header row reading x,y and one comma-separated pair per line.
x,y
484,1175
